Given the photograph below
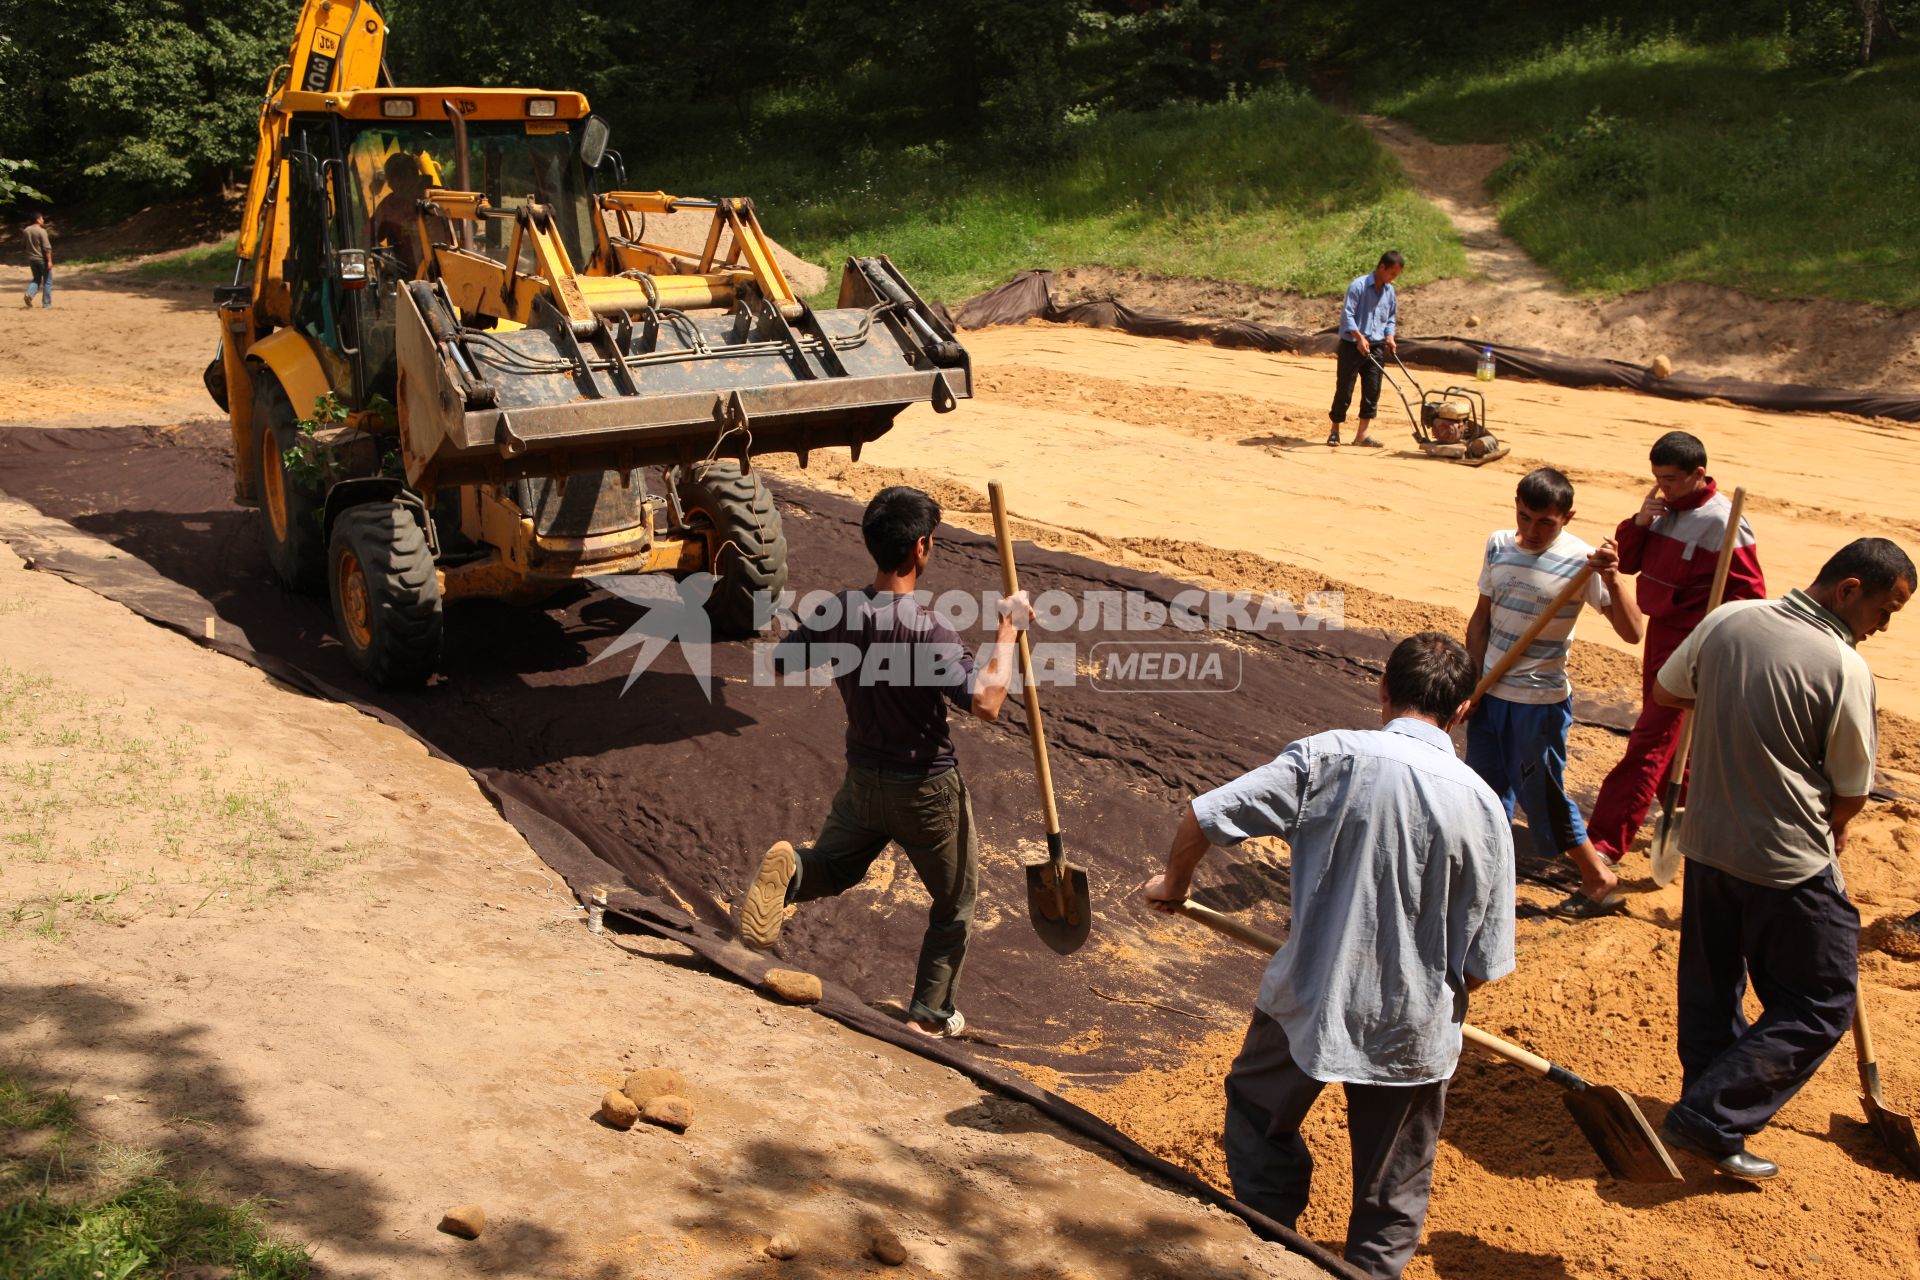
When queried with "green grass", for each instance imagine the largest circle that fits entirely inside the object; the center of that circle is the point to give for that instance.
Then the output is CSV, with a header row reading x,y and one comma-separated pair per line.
x,y
105,1212
1638,162
209,264
1274,190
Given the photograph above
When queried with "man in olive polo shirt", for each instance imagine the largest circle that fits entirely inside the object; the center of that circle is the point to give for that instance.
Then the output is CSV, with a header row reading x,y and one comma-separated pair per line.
x,y
1783,755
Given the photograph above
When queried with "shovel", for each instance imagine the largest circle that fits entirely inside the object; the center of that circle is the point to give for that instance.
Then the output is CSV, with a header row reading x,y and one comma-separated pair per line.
x,y
1575,585
1665,853
1609,1117
1895,1128
1057,898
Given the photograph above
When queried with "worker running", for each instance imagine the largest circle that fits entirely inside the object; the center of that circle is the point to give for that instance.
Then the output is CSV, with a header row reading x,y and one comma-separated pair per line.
x,y
896,664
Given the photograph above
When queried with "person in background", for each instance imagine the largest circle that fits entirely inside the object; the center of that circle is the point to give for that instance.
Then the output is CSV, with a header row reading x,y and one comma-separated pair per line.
x,y
1402,882
1784,740
40,260
1673,544
1367,319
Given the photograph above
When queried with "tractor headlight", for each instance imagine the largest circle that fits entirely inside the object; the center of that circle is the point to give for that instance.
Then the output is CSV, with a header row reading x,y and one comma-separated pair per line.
x,y
352,267
397,108
542,107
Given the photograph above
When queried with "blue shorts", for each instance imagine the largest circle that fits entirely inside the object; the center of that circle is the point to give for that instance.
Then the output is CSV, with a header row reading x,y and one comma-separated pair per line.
x,y
1520,749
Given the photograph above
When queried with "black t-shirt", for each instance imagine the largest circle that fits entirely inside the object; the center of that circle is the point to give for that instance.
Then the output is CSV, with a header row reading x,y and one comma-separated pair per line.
x,y
896,665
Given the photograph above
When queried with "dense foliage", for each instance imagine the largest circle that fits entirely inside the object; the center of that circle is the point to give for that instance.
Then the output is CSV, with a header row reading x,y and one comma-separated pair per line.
x,y
116,102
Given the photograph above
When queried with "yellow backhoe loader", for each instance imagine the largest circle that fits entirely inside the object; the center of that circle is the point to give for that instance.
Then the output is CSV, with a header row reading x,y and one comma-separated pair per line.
x,y
450,353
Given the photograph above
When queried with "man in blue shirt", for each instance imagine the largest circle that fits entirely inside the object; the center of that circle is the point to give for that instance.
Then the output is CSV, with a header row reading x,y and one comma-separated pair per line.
x,y
1402,879
1367,320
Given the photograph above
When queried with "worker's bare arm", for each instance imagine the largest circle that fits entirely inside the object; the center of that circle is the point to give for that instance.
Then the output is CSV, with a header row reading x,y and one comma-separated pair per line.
x,y
1844,809
1190,844
1479,627
1622,610
1666,698
997,659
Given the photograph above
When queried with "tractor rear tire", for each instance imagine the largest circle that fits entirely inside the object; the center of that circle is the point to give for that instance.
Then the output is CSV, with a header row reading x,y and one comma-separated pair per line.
x,y
386,596
750,551
290,511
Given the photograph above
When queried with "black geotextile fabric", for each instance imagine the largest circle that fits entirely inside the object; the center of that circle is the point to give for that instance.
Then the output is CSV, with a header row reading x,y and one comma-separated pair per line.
x,y
1028,296
671,796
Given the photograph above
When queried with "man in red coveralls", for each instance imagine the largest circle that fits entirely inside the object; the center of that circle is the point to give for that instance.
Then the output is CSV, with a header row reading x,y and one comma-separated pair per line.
x,y
1673,544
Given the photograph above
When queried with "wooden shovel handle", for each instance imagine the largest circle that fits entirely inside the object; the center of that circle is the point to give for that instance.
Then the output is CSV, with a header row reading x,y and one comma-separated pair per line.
x,y
1214,920
1728,541
1262,941
1575,585
1862,1034
1029,691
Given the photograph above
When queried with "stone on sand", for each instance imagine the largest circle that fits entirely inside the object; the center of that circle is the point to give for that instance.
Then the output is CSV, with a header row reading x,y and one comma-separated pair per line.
x,y
1662,367
618,1110
644,1086
669,1111
466,1221
793,986
783,1246
886,1247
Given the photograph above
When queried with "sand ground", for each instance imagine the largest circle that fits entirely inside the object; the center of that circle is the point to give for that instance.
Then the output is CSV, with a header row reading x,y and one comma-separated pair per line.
x,y
1169,454
275,940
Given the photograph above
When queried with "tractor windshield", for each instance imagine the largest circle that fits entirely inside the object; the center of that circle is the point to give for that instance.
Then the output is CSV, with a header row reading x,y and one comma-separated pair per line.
x,y
390,165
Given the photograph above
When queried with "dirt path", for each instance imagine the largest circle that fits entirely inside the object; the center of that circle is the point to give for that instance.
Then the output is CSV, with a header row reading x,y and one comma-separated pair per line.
x,y
274,940
1454,178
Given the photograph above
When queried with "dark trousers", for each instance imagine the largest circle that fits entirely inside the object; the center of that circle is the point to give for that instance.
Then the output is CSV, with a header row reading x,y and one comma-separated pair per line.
x,y
932,818
1351,365
1394,1130
1520,750
1799,947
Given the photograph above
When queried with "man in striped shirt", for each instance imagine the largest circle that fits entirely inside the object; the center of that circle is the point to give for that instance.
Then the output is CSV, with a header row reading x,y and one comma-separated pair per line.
x,y
1517,739
1673,544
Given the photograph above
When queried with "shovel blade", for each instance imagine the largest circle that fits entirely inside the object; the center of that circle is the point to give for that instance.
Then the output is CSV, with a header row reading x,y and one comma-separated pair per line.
x,y
1059,905
1664,855
1894,1129
1620,1135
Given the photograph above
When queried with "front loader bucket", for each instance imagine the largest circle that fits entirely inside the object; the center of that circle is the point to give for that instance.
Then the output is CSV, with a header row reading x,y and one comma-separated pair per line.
x,y
663,386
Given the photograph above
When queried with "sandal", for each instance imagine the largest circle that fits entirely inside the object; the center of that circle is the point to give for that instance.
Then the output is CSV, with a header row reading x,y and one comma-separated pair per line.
x,y
1578,906
1368,442
1333,436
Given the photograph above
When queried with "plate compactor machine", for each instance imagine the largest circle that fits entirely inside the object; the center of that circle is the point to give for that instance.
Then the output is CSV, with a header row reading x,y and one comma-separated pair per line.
x,y
1450,424
451,355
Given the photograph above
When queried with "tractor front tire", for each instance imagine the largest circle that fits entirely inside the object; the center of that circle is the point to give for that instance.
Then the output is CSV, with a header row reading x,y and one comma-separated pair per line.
x,y
736,510
386,596
290,529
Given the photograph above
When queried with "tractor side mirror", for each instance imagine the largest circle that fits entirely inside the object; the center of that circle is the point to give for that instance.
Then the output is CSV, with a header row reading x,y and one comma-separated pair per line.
x,y
593,142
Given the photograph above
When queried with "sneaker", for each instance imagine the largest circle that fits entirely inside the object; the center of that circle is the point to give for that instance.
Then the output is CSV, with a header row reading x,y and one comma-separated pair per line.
x,y
955,1023
763,910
